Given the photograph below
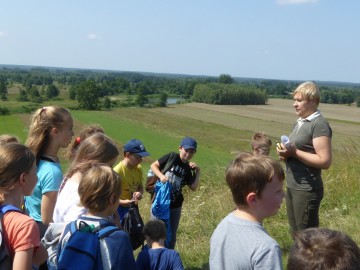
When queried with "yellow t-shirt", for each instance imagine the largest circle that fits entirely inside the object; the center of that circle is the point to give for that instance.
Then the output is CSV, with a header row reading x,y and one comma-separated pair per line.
x,y
131,179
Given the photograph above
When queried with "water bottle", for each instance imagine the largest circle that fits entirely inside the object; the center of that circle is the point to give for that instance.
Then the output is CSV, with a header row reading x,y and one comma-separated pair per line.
x,y
285,141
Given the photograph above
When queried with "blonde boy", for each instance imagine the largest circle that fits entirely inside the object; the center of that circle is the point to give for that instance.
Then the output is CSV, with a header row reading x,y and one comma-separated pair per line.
x,y
261,144
240,241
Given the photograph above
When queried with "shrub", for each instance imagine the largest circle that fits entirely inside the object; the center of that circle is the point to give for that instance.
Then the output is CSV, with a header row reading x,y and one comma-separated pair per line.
x,y
4,111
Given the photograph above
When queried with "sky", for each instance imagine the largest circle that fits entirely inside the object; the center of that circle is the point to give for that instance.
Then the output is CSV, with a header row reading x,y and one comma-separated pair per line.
x,y
271,39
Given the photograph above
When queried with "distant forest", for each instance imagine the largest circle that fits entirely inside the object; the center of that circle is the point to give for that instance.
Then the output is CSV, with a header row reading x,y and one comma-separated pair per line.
x,y
95,89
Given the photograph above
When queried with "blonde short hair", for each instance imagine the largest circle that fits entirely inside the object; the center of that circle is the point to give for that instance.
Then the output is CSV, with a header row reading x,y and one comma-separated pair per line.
x,y
309,91
261,143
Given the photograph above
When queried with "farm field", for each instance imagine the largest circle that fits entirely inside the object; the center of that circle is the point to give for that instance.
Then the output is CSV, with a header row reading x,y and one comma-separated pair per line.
x,y
221,131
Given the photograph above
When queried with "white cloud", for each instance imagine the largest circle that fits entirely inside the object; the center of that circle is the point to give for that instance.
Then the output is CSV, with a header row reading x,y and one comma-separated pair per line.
x,y
290,2
93,36
3,35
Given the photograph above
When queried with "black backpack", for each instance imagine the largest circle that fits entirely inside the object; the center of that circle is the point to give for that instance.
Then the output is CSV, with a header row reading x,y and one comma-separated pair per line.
x,y
133,225
5,260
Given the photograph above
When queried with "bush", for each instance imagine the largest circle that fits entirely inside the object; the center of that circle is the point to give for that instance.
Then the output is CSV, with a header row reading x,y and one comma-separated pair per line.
x,y
4,111
30,108
229,94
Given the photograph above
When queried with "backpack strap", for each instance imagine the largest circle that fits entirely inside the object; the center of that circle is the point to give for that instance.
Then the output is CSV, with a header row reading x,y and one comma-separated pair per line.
x,y
169,162
47,159
107,231
8,207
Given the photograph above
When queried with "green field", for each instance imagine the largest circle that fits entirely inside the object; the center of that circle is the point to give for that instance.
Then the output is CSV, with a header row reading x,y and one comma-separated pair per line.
x,y
221,131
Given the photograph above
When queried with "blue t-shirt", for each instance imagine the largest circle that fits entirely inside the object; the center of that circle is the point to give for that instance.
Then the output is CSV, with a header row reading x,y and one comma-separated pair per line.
x,y
49,179
159,259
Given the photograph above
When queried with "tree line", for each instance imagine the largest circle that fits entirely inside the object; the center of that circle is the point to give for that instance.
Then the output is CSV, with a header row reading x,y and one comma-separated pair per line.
x,y
233,94
94,89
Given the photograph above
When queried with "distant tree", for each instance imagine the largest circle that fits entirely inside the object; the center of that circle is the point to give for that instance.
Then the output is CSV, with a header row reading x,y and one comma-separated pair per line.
x,y
52,91
107,103
72,92
141,98
234,94
3,90
34,95
22,96
226,79
4,111
88,95
358,101
163,99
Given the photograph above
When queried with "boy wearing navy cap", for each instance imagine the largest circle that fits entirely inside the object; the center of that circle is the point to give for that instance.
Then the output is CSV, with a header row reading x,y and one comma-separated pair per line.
x,y
130,172
181,173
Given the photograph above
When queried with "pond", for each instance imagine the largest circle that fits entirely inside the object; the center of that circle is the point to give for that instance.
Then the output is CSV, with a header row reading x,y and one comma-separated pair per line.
x,y
173,100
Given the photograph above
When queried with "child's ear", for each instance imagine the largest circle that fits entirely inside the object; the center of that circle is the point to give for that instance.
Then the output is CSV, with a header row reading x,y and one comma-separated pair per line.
x,y
22,179
180,148
251,198
54,131
113,199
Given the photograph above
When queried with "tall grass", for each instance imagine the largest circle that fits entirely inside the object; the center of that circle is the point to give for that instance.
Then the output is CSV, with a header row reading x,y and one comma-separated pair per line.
x,y
205,208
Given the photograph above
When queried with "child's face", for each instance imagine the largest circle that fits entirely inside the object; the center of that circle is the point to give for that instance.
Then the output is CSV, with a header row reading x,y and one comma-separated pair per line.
x,y
65,134
271,197
31,180
134,159
186,154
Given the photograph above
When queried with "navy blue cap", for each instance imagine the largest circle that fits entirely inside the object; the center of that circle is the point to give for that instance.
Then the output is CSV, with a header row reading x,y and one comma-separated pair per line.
x,y
137,147
188,143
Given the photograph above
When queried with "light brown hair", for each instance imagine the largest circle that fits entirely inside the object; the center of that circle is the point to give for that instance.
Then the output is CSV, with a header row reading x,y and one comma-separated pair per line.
x,y
98,184
261,143
15,159
250,173
42,122
7,138
321,248
84,134
98,148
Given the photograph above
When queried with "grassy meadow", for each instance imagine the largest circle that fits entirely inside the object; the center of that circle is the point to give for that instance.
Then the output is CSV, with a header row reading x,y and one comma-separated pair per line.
x,y
221,131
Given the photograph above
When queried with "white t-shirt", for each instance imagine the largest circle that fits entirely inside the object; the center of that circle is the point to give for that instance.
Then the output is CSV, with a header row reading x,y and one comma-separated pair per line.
x,y
67,205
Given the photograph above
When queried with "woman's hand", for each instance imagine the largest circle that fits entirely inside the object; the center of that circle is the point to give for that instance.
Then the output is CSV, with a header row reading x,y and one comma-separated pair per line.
x,y
285,153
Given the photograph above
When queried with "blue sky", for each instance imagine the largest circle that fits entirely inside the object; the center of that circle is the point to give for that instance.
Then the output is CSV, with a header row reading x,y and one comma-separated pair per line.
x,y
273,39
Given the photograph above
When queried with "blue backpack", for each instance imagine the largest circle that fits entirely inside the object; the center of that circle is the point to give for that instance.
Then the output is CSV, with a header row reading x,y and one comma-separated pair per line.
x,y
5,260
82,251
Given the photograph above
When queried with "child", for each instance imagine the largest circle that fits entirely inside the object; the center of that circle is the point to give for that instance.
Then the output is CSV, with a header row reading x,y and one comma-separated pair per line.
x,y
84,133
240,241
99,191
156,256
20,232
261,144
7,138
98,148
131,175
181,173
321,248
51,128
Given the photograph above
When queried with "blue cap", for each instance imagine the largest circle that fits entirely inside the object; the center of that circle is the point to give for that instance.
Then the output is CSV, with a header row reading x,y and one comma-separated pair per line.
x,y
136,147
188,143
